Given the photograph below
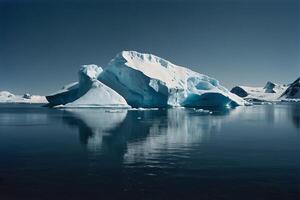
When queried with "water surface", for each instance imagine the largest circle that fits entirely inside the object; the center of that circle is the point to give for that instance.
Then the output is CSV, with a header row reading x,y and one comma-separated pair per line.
x,y
243,153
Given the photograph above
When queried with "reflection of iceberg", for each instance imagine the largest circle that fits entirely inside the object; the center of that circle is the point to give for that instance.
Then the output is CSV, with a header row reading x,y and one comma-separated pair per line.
x,y
163,137
94,124
138,134
180,130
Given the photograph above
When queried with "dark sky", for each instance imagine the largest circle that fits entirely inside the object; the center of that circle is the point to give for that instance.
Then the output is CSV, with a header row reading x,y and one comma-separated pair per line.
x,y
43,43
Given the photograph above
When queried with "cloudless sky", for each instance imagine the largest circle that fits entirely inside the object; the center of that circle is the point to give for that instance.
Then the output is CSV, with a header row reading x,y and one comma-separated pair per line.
x,y
238,42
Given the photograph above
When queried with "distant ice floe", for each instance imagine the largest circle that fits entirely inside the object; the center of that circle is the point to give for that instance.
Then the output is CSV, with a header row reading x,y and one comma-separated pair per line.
x,y
7,97
167,130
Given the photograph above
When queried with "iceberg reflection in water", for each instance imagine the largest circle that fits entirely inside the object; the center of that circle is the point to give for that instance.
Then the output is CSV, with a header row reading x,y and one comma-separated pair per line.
x,y
177,130
143,133
166,128
94,124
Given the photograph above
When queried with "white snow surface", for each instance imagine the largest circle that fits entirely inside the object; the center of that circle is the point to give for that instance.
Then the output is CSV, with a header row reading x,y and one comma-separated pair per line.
x,y
7,97
270,92
146,80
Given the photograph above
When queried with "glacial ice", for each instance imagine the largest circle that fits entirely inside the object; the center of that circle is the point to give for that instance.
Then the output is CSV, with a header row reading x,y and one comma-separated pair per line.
x,y
146,80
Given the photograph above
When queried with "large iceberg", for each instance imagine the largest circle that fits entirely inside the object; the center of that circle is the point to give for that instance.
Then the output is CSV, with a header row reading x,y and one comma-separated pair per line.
x,y
88,92
142,80
146,80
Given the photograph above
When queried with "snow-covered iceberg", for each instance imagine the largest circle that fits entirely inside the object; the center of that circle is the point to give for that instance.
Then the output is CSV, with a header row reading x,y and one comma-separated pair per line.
x,y
146,80
88,92
7,97
270,92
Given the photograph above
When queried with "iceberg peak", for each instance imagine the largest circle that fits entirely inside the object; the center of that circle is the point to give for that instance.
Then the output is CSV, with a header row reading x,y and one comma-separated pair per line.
x,y
91,71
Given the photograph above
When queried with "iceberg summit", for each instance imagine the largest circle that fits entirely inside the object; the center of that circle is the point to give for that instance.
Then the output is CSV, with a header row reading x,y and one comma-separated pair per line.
x,y
143,80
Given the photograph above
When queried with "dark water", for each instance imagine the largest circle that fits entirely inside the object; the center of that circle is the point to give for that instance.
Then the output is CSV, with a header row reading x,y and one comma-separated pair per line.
x,y
244,153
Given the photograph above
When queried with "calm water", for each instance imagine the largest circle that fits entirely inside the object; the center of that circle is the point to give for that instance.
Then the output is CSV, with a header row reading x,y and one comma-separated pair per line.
x,y
244,153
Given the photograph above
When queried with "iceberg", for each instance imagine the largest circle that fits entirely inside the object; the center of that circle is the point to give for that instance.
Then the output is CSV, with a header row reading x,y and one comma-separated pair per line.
x,y
7,97
142,81
88,92
146,80
270,92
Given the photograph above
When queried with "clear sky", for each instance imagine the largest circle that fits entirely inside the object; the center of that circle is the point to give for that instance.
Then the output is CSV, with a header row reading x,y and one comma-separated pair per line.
x,y
239,42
